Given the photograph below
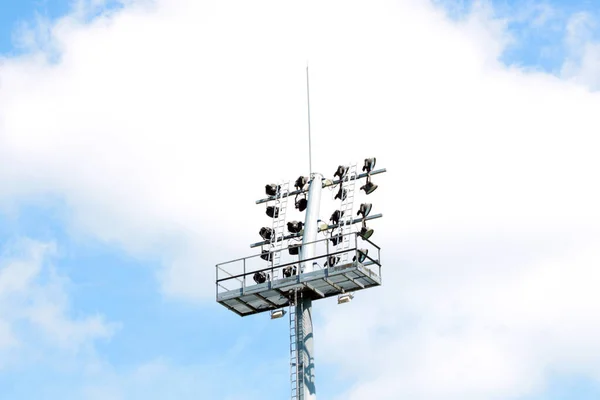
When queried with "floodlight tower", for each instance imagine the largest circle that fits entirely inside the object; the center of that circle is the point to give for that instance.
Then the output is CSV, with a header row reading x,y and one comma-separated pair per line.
x,y
310,271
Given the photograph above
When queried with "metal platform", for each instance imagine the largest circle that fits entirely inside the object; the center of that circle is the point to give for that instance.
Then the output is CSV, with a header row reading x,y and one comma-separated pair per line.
x,y
237,290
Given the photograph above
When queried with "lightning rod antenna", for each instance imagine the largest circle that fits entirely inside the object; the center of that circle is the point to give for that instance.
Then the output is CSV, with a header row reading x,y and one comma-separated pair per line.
x,y
309,143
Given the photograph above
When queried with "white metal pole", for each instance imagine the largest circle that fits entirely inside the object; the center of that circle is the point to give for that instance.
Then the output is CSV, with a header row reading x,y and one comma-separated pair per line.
x,y
304,309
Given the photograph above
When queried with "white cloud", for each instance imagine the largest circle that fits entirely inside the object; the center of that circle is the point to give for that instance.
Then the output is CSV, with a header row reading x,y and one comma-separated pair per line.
x,y
490,204
35,307
583,61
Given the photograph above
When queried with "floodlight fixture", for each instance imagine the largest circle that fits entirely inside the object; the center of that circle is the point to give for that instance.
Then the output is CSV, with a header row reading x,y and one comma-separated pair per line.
x,y
294,250
277,313
266,233
335,217
301,204
331,261
260,277
362,255
341,171
369,165
336,239
341,194
301,182
266,255
365,232
345,298
272,189
294,226
365,209
369,187
273,211
290,270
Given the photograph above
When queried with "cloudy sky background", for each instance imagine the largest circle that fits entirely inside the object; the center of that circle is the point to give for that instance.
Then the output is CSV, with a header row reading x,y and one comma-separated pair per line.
x,y
136,135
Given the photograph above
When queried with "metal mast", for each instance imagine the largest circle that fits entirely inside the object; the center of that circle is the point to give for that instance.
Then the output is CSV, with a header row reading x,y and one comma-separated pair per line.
x,y
245,287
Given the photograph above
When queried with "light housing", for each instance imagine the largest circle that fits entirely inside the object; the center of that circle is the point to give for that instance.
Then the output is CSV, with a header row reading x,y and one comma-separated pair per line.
x,y
336,239
362,255
290,270
275,314
345,298
272,189
294,249
335,217
295,226
341,194
369,164
266,255
301,204
266,233
365,209
260,277
369,187
365,232
331,261
273,211
301,182
341,171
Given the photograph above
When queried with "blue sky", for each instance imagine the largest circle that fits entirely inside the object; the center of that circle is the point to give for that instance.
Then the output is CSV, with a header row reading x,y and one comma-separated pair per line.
x,y
105,221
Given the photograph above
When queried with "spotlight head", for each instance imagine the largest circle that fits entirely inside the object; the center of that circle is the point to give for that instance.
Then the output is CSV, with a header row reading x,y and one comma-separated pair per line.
x,y
272,189
266,255
294,250
301,204
341,171
362,255
301,182
341,194
294,226
369,164
260,277
273,211
331,261
336,239
365,232
335,217
266,233
369,187
365,209
289,271
345,298
277,313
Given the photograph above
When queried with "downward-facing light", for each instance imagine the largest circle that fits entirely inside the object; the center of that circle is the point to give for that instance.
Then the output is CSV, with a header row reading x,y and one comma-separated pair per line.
x,y
273,211
345,298
369,187
266,255
341,194
294,249
277,314
365,232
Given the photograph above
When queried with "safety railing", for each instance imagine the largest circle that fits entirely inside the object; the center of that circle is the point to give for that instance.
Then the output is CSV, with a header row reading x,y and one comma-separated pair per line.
x,y
247,271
